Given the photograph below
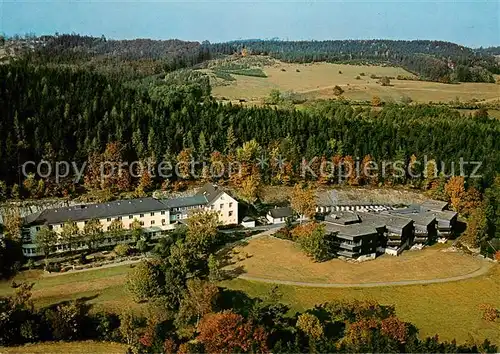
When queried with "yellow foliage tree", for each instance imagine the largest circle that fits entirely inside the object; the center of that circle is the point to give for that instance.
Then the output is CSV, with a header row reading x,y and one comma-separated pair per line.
x,y
303,201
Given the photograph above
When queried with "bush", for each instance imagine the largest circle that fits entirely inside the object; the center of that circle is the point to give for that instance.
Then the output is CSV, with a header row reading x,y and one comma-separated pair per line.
x,y
122,250
105,326
142,246
65,321
284,234
53,267
317,244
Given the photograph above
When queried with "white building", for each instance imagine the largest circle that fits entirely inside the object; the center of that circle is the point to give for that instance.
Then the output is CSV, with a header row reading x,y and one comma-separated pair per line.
x,y
279,215
157,216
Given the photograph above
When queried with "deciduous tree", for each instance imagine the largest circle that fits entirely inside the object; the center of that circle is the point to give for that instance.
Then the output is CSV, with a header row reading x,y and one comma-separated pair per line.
x,y
303,201
227,332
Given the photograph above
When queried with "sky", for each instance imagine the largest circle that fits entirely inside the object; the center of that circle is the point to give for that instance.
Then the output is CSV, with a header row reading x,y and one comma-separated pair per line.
x,y
471,23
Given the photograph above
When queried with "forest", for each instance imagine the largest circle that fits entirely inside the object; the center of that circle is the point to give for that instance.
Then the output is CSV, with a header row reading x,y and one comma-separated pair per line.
x,y
68,114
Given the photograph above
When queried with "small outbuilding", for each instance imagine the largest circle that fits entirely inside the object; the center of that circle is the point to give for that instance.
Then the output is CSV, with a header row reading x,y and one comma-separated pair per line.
x,y
248,222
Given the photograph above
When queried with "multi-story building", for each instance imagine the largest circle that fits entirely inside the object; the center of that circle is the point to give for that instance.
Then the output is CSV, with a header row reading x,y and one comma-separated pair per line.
x,y
156,216
355,233
350,238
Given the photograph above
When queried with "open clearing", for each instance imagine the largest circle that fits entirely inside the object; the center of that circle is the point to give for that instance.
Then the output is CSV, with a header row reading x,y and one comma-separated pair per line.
x,y
275,259
68,347
316,81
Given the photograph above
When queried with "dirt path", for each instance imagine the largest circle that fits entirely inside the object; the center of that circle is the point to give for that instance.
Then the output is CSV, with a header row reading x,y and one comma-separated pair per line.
x,y
485,267
48,275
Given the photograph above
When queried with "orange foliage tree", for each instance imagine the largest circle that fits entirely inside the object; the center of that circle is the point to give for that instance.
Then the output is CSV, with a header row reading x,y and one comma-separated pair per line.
x,y
227,332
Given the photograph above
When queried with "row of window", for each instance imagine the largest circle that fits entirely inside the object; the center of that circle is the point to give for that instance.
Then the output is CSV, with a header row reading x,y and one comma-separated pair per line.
x,y
65,247
221,206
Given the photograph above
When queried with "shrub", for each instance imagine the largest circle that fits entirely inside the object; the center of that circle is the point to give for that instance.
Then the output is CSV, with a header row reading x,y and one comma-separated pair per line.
x,y
317,244
490,313
65,321
337,90
141,246
122,250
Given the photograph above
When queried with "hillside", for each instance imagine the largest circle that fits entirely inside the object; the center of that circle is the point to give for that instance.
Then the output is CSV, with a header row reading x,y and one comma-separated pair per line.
x,y
430,60
313,81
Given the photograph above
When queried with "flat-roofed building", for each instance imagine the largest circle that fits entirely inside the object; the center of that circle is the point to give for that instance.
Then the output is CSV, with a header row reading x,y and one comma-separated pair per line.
x,y
397,231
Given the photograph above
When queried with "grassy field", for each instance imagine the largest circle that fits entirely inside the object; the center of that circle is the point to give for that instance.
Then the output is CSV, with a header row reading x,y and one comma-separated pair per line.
x,y
104,288
68,348
316,80
275,259
449,309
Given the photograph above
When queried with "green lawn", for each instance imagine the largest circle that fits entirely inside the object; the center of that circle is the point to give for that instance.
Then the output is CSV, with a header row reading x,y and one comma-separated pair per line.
x,y
102,287
448,309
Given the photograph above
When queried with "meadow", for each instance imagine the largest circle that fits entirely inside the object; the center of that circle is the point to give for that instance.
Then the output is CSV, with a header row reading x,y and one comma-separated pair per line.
x,y
317,80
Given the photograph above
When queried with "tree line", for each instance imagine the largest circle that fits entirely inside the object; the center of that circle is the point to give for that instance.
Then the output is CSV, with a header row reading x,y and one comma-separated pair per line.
x,y
431,60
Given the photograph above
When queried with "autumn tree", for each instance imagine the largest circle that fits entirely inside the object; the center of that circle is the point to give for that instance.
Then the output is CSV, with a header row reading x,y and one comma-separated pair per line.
x,y
250,187
70,233
12,223
217,163
476,228
45,240
396,329
227,332
471,200
145,281
376,102
455,190
303,201
136,229
317,244
310,325
184,162
114,176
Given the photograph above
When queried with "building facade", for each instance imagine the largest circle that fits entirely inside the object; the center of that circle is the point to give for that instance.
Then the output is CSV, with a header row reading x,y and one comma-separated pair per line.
x,y
156,216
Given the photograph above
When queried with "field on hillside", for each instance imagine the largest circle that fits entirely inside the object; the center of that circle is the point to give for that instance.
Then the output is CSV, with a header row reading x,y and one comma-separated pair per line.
x,y
316,81
275,259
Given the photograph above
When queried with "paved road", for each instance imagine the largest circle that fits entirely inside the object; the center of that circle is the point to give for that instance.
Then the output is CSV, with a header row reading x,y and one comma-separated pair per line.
x,y
485,267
